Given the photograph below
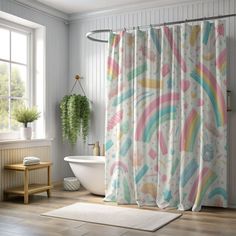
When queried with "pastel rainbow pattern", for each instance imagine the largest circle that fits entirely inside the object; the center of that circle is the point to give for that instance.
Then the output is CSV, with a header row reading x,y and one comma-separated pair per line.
x,y
112,69
157,112
206,181
190,131
221,60
165,88
208,81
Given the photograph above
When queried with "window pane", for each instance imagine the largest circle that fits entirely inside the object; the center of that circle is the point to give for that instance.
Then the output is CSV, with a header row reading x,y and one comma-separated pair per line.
x,y
19,47
18,80
16,103
4,78
4,44
4,120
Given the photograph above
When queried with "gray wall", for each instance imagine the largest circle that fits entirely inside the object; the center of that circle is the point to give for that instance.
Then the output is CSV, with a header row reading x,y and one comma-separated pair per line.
x,y
88,58
57,58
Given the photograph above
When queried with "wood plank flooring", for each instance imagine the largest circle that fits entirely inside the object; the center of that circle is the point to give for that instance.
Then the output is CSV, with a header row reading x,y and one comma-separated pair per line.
x,y
24,220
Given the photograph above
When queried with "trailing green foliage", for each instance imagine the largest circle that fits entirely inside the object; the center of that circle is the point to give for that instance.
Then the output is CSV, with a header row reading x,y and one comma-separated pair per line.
x,y
64,117
26,115
75,115
84,116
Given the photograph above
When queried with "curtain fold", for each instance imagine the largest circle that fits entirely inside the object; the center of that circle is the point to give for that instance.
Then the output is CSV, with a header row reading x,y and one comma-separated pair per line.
x,y
166,117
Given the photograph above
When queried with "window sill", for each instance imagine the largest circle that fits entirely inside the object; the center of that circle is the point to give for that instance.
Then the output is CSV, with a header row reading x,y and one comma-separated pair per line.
x,y
20,143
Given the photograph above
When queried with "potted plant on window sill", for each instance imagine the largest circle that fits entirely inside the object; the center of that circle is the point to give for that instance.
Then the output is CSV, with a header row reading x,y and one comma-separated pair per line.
x,y
26,115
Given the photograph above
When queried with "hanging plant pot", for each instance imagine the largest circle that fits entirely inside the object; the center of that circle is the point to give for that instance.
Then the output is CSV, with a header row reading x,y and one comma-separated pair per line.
x,y
26,133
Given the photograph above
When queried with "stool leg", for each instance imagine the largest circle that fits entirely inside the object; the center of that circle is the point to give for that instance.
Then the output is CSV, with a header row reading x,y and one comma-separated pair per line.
x,y
49,181
26,187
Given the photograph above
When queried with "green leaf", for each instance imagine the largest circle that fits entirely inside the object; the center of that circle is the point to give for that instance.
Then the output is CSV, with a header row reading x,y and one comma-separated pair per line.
x,y
75,116
26,115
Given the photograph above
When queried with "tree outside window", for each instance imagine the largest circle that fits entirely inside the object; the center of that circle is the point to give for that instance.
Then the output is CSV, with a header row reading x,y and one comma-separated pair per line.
x,y
14,75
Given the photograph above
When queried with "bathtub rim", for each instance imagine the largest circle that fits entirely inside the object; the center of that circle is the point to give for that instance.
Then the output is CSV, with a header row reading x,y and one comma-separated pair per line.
x,y
85,159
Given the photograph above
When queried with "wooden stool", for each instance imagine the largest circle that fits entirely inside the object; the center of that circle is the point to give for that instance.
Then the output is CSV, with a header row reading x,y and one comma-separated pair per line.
x,y
28,189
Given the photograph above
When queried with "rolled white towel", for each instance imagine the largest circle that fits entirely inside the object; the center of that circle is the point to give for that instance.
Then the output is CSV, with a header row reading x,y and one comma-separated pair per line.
x,y
31,160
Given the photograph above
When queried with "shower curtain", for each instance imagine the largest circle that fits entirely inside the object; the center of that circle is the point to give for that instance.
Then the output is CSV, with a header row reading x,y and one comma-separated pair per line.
x,y
166,117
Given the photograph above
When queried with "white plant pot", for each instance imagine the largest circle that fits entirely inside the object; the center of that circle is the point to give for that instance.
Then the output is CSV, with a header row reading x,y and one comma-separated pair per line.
x,y
26,133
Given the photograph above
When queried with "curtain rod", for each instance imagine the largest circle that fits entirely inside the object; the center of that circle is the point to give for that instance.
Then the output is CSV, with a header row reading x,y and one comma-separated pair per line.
x,y
88,35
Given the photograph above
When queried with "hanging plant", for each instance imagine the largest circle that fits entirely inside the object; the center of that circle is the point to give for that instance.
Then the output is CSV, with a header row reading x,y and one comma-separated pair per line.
x,y
75,115
64,117
84,116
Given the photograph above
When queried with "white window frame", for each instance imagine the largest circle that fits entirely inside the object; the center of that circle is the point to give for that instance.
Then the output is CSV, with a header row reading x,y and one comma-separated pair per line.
x,y
30,89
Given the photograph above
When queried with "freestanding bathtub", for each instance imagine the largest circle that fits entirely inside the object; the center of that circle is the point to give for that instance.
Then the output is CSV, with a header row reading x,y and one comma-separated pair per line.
x,y
90,170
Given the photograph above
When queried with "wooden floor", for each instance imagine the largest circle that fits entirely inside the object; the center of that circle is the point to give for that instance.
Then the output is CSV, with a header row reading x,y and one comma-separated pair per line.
x,y
24,220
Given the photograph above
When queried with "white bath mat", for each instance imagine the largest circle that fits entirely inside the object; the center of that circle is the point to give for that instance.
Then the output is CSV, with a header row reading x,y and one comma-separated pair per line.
x,y
117,216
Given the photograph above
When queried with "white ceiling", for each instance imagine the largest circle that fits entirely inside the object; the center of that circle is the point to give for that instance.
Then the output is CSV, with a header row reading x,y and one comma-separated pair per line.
x,y
82,6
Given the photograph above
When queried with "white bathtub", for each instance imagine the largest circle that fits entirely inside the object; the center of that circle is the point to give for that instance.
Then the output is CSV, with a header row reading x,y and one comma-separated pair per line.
x,y
90,170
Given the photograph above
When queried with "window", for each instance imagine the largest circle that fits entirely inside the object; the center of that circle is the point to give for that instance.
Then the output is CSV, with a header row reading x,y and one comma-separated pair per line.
x,y
22,73
15,78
